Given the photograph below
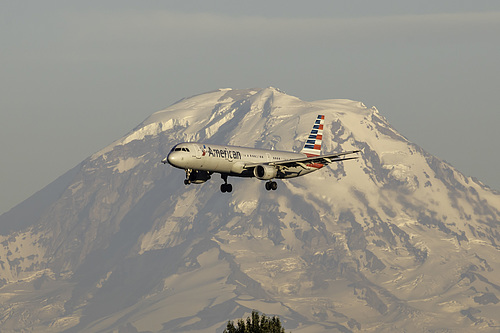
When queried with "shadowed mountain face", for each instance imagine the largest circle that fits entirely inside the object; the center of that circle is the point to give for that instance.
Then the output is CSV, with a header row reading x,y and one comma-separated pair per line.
x,y
397,240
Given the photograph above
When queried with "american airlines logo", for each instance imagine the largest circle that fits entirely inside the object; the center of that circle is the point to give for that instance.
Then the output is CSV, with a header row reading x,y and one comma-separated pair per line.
x,y
222,153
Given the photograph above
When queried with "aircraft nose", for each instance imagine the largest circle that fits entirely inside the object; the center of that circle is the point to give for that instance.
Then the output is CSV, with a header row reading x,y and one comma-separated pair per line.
x,y
173,159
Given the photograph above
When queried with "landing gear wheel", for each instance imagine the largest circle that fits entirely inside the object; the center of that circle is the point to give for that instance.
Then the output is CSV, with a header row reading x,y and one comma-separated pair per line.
x,y
270,185
187,182
226,188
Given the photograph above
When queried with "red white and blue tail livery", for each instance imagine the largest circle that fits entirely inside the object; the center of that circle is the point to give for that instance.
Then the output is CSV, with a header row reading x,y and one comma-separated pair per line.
x,y
312,147
201,160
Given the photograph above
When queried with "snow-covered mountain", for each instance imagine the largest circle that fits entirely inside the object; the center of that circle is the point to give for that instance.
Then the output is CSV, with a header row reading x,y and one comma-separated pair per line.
x,y
396,241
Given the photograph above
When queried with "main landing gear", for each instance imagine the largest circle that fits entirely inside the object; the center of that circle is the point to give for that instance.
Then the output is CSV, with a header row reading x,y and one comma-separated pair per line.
x,y
225,187
271,185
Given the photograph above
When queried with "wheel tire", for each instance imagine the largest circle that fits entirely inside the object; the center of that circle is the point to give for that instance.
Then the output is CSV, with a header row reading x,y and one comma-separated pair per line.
x,y
186,182
229,188
268,186
223,188
274,186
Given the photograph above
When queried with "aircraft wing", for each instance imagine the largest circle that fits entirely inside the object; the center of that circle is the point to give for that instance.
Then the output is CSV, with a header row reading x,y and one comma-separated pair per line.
x,y
303,162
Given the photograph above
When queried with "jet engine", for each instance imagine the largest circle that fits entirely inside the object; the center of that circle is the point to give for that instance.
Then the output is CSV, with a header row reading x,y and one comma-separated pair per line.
x,y
199,176
265,172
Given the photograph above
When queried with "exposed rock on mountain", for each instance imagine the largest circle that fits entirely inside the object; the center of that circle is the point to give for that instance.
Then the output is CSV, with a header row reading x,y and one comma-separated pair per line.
x,y
397,240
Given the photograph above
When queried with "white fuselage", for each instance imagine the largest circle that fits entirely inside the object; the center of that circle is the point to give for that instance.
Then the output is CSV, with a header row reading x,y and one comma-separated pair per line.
x,y
231,160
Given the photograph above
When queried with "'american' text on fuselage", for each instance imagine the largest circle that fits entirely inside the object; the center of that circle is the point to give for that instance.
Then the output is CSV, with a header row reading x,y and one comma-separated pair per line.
x,y
223,153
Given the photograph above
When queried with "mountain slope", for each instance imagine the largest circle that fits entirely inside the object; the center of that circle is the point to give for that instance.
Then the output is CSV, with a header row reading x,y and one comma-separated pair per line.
x,y
398,240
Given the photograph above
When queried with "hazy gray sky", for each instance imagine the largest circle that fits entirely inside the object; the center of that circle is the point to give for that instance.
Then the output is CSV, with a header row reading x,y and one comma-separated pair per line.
x,y
76,76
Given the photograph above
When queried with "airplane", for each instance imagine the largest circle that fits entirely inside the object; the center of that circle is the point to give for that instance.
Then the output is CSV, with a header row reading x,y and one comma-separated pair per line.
x,y
201,160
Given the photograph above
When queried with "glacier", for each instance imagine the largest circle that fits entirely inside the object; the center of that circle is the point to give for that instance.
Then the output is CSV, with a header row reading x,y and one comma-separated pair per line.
x,y
398,240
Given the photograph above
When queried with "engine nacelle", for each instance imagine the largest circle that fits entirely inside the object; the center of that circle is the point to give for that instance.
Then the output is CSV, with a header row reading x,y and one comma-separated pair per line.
x,y
265,172
199,176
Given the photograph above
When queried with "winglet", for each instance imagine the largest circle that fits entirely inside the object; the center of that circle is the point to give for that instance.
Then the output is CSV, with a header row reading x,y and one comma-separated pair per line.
x,y
312,147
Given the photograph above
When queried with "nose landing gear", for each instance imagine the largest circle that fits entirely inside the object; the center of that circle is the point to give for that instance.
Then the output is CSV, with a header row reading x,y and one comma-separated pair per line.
x,y
187,181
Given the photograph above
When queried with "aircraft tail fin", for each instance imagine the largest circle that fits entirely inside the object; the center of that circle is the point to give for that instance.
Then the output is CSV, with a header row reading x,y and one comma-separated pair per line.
x,y
312,147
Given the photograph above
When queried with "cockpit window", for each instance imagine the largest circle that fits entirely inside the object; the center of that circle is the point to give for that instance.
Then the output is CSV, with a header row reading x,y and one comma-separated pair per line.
x,y
180,149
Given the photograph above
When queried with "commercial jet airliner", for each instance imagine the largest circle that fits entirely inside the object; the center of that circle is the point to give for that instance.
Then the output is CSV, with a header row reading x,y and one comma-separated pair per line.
x,y
201,160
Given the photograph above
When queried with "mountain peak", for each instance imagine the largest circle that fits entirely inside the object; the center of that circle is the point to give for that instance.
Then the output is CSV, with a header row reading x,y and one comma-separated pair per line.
x,y
397,240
